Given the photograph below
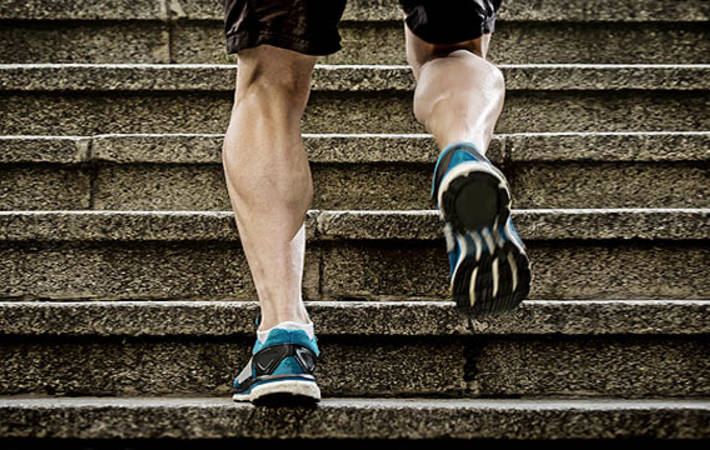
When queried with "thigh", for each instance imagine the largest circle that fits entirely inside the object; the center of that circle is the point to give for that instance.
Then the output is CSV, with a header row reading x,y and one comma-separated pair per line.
x,y
304,26
434,30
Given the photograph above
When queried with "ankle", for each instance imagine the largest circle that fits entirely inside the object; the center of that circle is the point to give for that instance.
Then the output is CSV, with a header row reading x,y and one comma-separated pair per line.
x,y
299,316
262,335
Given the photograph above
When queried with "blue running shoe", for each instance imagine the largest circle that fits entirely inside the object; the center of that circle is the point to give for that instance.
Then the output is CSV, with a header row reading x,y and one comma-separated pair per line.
x,y
280,370
488,266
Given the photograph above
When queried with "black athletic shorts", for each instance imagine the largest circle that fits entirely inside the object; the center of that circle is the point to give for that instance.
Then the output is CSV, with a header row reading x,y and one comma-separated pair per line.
x,y
311,26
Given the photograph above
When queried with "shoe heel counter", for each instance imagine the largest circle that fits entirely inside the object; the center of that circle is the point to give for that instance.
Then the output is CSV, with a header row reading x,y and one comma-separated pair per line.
x,y
450,157
285,336
289,366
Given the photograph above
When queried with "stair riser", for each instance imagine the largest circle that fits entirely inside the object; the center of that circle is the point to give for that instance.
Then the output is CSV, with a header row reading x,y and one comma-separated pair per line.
x,y
382,112
478,366
363,43
80,42
611,269
352,186
579,270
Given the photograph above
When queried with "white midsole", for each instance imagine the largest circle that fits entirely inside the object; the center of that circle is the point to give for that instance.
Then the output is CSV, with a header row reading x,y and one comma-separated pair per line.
x,y
494,270
293,387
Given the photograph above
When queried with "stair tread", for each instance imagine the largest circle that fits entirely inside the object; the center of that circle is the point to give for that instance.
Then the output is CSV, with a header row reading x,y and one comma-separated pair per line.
x,y
362,148
535,224
356,318
389,418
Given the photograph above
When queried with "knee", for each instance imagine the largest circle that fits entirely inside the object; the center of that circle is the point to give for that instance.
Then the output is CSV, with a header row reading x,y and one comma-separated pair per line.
x,y
476,67
280,88
275,77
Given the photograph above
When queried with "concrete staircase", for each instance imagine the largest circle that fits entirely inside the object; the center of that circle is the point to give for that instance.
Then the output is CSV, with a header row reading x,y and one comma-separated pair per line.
x,y
126,304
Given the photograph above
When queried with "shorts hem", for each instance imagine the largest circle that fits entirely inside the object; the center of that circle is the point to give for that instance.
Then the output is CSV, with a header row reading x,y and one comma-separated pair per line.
x,y
252,38
486,27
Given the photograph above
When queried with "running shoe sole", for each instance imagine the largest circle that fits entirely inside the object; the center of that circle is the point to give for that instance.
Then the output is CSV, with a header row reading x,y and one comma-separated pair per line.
x,y
285,391
492,273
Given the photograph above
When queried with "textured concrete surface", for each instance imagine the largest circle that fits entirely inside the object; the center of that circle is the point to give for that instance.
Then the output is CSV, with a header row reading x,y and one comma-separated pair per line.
x,y
43,149
363,43
321,148
386,367
380,270
544,224
156,148
42,186
618,185
84,42
553,366
149,187
562,270
605,10
360,366
220,418
80,9
364,148
202,188
372,186
414,148
353,318
202,42
658,146
381,112
423,225
127,226
512,43
154,270
365,186
180,77
599,43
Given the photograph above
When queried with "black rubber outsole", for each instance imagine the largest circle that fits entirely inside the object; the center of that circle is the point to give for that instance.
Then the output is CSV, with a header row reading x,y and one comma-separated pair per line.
x,y
285,399
506,298
472,203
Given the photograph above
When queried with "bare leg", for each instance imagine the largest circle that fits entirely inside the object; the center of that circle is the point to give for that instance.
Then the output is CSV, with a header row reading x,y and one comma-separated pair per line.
x,y
268,175
459,97
459,94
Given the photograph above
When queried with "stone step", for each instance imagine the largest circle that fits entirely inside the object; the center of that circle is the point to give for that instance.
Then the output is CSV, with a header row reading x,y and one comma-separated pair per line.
x,y
184,172
547,348
409,319
355,418
372,32
351,99
345,78
576,254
